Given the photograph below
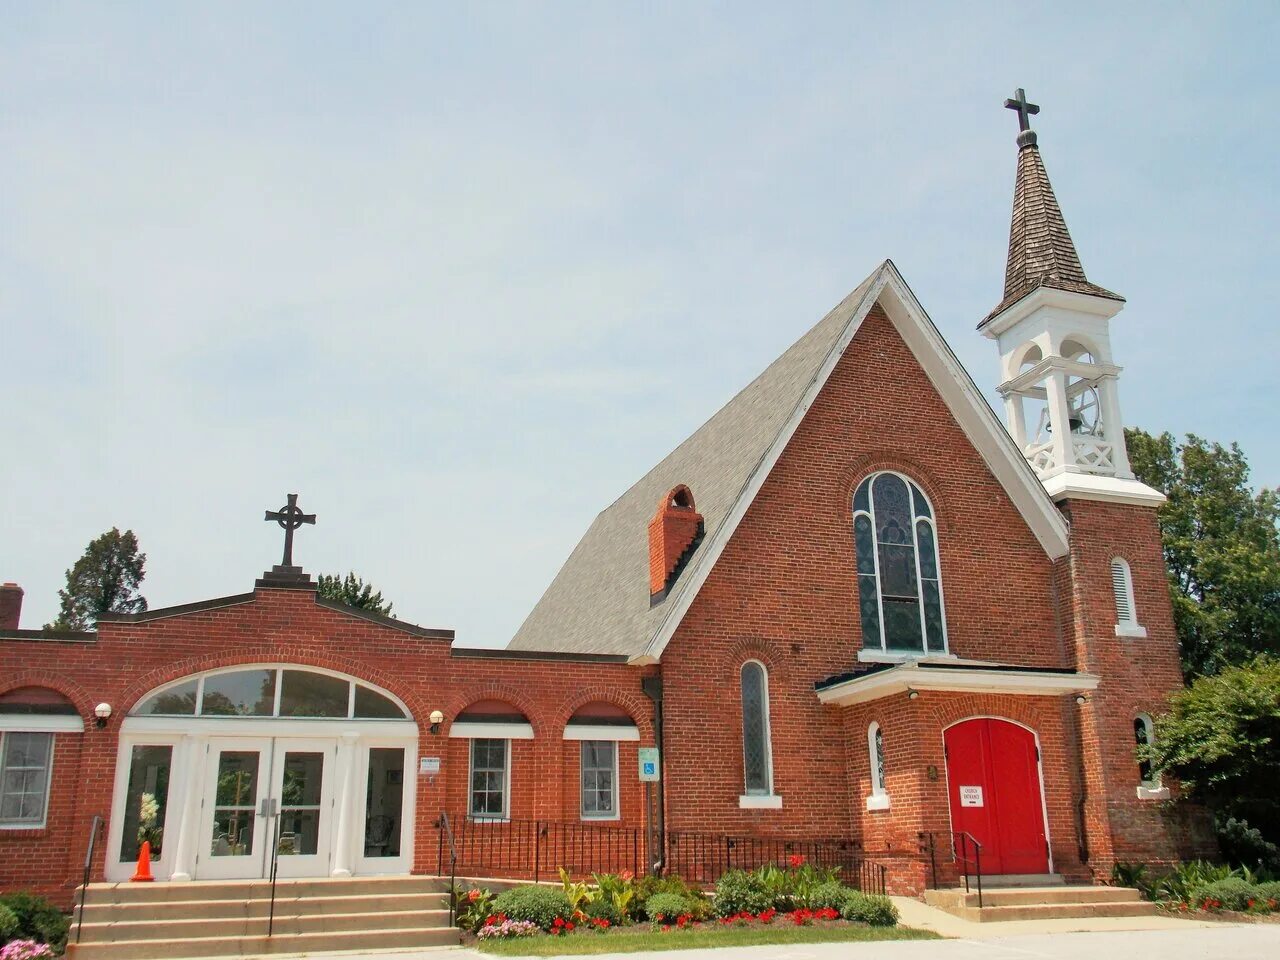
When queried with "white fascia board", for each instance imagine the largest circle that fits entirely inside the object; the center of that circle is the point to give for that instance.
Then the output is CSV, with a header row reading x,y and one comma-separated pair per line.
x,y
696,576
466,730
898,680
1102,307
40,723
600,731
976,418
1089,486
270,727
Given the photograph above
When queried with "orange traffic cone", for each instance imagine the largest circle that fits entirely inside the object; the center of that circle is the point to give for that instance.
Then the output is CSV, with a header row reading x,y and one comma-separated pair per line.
x,y
143,873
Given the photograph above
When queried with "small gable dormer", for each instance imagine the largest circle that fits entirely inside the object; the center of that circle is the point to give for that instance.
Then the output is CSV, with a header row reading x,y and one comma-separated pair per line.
x,y
674,532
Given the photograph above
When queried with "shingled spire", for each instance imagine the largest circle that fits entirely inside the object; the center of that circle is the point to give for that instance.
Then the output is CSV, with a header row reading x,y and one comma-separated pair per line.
x,y
1041,253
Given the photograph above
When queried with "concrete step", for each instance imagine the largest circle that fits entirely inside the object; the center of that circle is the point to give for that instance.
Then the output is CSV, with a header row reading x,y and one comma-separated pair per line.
x,y
1041,903
259,889
1001,880
105,911
327,941
283,925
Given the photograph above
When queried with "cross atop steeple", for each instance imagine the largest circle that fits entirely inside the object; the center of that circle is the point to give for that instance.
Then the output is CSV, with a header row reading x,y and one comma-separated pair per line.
x,y
290,517
1025,109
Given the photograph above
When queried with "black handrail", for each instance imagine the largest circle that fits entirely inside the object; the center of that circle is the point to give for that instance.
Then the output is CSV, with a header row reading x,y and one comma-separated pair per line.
x,y
88,866
275,867
962,857
446,833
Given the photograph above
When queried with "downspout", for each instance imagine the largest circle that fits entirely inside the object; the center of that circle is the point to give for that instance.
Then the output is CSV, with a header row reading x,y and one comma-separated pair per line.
x,y
1073,721
652,687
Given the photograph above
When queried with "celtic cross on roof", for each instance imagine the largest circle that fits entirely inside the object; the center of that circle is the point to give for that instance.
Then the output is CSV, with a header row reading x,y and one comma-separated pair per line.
x,y
290,517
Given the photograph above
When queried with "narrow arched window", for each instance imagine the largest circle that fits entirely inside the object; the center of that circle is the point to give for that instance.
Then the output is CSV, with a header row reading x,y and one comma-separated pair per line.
x,y
1122,589
899,576
756,761
875,750
1144,737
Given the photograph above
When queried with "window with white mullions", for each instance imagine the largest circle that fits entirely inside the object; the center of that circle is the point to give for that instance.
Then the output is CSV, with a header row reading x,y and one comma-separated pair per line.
x,y
599,779
899,578
489,778
24,778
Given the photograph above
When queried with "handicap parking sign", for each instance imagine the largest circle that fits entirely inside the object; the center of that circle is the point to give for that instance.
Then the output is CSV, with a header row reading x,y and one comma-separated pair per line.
x,y
649,765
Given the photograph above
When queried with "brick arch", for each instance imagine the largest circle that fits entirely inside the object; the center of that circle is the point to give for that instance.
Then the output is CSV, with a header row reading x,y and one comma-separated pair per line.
x,y
862,467
499,691
756,648
972,706
159,676
79,697
634,705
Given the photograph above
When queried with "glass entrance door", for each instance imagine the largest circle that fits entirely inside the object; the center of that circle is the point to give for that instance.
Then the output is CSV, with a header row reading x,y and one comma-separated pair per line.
x,y
264,792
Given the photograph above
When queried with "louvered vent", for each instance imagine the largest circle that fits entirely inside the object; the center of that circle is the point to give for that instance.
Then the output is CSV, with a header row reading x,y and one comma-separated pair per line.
x,y
1123,590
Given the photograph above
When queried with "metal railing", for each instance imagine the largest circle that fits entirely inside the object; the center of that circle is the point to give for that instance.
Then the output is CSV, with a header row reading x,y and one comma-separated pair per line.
x,y
702,858
275,862
540,848
94,828
961,843
446,835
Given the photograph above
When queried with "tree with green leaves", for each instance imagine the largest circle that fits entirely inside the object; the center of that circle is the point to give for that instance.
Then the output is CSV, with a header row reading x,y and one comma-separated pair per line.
x,y
1221,546
354,592
1220,740
104,580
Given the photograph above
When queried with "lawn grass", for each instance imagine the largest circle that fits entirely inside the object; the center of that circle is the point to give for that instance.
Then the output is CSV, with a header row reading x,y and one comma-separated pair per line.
x,y
644,938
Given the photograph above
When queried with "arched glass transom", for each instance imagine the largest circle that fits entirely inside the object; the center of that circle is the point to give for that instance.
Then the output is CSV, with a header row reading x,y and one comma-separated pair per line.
x,y
268,691
757,775
899,577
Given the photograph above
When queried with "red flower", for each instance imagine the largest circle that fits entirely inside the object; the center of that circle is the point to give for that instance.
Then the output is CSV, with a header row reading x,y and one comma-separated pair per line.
x,y
626,876
473,895
666,928
795,860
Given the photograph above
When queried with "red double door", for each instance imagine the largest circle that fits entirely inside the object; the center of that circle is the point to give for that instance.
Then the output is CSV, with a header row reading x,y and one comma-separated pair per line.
x,y
993,777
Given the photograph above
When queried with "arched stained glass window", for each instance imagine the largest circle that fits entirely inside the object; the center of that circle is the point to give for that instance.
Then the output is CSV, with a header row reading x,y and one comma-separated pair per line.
x,y
1143,737
756,761
899,578
875,748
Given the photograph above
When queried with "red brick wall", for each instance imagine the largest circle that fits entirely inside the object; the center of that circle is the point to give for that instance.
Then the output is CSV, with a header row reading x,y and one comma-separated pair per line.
x,y
128,660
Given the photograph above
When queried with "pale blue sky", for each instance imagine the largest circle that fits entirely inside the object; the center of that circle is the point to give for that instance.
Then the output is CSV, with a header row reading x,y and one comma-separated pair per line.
x,y
459,273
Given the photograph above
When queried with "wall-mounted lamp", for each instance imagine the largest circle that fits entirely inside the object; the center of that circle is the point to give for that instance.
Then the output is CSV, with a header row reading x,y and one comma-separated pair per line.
x,y
913,694
1081,699
436,719
103,712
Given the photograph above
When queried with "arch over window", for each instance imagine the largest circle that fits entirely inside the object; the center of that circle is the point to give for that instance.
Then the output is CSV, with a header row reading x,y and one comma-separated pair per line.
x,y
899,576
271,692
1144,736
757,762
1122,590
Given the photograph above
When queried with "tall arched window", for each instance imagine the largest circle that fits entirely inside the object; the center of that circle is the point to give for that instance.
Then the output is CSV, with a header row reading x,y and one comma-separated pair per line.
x,y
756,761
879,799
1144,736
1122,589
899,580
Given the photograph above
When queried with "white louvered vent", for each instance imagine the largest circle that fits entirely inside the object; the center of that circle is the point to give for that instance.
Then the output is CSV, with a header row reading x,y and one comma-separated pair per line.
x,y
1123,590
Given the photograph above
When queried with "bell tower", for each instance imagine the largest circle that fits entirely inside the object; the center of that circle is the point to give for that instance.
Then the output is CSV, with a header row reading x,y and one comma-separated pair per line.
x,y
1058,375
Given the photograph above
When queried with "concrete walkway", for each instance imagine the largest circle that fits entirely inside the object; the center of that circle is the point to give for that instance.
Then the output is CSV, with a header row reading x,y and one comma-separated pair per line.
x,y
915,913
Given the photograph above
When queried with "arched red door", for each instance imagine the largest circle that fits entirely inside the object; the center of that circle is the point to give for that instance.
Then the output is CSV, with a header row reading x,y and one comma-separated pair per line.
x,y
993,778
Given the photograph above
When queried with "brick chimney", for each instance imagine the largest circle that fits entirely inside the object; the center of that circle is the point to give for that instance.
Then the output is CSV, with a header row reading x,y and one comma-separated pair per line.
x,y
673,532
10,606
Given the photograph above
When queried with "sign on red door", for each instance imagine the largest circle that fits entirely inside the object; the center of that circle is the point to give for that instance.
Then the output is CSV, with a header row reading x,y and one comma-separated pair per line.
x,y
993,776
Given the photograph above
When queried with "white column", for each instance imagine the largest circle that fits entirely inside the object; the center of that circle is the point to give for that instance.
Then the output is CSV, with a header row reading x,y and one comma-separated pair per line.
x,y
1016,417
1064,456
193,754
348,790
1113,426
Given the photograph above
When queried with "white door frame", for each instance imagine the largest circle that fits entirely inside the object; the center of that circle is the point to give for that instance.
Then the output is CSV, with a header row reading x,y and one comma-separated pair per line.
x,y
303,865
250,864
408,806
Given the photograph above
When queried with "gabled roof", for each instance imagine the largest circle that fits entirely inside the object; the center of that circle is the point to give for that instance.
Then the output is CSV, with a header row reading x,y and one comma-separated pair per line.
x,y
1041,252
599,601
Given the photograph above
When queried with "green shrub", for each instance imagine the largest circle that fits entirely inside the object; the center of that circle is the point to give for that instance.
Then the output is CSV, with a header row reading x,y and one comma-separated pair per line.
x,y
540,905
665,906
699,906
831,894
1270,890
1234,893
738,891
603,908
8,924
37,918
1182,882
869,909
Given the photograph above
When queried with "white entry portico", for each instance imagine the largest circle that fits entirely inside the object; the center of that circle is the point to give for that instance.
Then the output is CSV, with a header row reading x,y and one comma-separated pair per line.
x,y
229,772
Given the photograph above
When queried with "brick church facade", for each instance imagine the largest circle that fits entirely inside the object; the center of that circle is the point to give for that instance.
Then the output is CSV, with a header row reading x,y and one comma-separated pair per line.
x,y
853,607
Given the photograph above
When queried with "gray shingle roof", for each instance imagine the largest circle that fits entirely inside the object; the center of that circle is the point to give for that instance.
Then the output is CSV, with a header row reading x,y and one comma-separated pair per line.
x,y
1041,253
599,601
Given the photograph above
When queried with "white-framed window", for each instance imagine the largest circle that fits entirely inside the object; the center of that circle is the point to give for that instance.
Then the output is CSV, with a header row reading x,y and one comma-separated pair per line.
x,y
599,779
1122,590
1144,735
757,760
899,574
879,799
26,761
490,778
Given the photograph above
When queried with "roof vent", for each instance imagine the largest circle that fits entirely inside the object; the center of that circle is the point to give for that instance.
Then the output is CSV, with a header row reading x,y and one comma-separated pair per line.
x,y
674,533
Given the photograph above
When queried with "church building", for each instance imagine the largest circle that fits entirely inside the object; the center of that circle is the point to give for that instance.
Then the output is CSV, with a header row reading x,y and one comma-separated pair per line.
x,y
854,611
